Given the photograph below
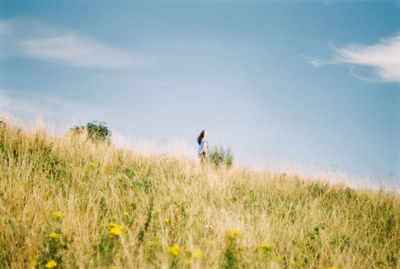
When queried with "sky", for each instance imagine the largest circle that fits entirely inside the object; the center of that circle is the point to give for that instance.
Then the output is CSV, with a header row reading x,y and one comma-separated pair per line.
x,y
316,82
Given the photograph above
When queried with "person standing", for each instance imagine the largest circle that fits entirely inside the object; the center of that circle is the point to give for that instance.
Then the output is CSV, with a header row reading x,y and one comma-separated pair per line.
x,y
203,145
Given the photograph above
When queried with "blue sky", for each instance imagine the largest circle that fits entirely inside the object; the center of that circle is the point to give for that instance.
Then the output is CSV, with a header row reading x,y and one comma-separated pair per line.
x,y
312,81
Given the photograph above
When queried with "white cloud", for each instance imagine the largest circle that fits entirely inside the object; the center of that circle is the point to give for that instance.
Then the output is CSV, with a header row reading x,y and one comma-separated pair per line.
x,y
58,112
69,48
75,50
383,57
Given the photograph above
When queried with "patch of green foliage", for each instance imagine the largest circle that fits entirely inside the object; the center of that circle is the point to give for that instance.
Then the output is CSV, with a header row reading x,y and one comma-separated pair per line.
x,y
221,156
97,131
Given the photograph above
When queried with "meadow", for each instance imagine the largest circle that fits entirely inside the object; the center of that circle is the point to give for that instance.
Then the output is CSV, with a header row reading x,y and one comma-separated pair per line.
x,y
71,202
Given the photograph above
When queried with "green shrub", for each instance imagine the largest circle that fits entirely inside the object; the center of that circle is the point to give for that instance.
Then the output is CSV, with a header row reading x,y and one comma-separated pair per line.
x,y
220,155
96,130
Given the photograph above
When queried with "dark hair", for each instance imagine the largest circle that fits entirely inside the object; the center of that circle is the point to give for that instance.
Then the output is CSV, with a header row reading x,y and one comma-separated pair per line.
x,y
201,136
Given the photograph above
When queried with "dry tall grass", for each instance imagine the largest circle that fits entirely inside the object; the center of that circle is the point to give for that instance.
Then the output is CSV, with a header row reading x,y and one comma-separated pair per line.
x,y
123,209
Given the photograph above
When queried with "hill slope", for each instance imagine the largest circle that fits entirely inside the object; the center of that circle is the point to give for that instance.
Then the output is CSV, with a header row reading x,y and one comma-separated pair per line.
x,y
69,202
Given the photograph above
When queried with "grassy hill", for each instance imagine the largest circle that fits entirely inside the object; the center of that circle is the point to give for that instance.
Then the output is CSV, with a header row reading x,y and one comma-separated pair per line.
x,y
69,202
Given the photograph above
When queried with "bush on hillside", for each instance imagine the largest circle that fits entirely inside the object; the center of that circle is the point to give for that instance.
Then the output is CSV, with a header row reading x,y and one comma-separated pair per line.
x,y
220,156
97,131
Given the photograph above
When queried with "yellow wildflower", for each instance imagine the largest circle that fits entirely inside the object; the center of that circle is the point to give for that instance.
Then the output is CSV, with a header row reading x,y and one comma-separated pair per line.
x,y
108,177
174,250
232,233
166,221
211,242
58,214
266,247
157,210
91,164
292,262
197,253
119,227
188,261
115,231
70,165
51,264
55,235
125,213
334,267
113,267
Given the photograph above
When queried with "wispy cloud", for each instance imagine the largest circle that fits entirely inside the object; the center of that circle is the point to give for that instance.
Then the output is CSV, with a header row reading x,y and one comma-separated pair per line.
x,y
76,50
317,62
383,57
58,112
70,48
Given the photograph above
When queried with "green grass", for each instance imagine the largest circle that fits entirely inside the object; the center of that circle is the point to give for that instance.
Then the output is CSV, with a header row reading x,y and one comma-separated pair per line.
x,y
217,217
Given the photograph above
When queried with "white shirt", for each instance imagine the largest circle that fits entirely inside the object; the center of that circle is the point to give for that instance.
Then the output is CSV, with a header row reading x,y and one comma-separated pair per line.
x,y
201,146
